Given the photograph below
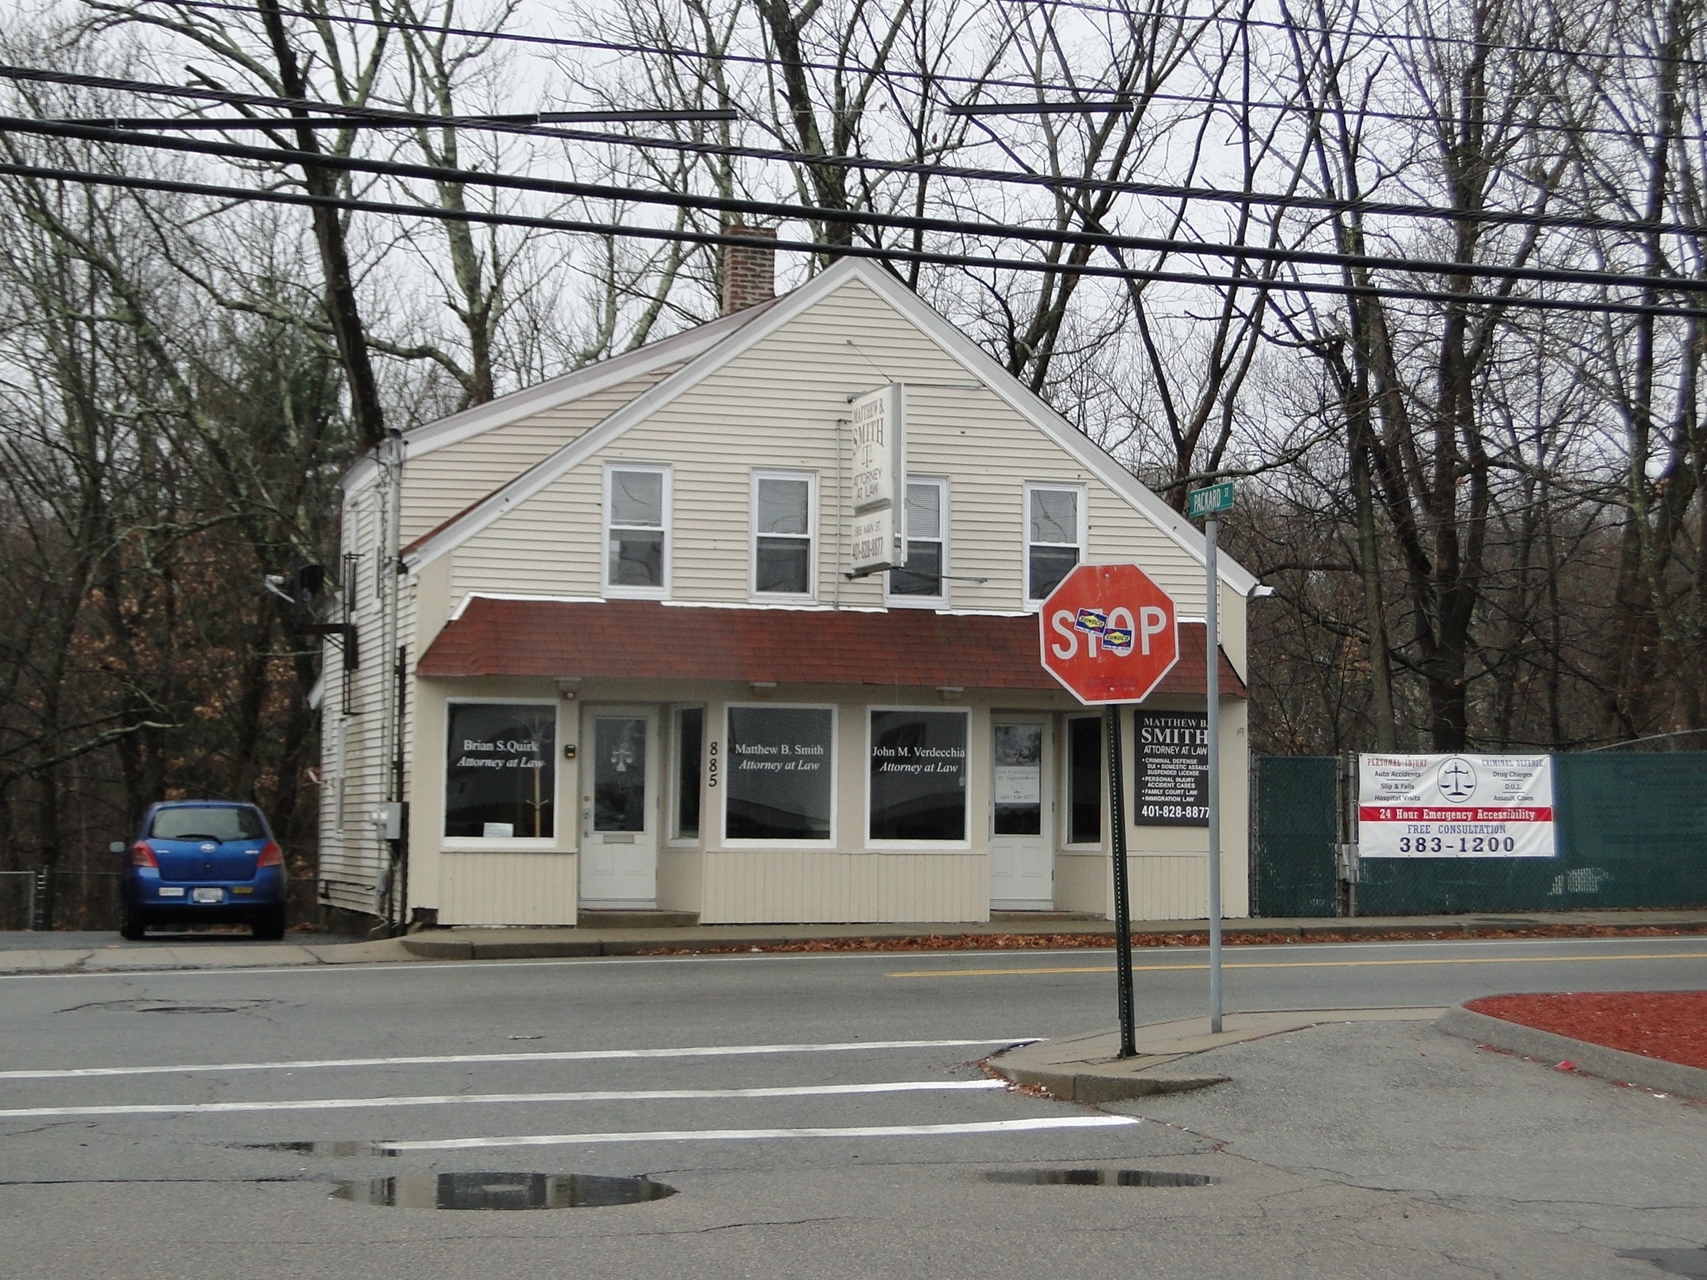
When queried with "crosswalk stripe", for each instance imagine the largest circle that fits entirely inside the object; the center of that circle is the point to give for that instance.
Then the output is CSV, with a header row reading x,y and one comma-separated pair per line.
x,y
456,1099
567,1055
750,1135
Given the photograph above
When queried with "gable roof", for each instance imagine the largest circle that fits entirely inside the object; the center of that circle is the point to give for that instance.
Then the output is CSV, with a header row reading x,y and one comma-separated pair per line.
x,y
564,389
758,323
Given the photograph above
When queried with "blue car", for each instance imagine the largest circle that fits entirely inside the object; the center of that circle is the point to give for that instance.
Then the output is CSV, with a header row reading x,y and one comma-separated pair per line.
x,y
203,862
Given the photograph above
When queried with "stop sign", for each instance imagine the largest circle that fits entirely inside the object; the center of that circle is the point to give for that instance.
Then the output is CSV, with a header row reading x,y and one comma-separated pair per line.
x,y
1109,633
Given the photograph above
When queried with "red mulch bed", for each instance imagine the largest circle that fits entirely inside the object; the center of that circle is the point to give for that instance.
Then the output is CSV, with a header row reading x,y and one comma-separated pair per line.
x,y
1668,1025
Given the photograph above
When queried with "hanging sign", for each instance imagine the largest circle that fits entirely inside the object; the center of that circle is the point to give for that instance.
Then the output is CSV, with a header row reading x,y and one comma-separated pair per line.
x,y
1458,806
879,526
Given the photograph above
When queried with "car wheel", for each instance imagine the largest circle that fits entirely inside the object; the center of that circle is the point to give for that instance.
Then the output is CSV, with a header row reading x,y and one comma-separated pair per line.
x,y
131,927
270,926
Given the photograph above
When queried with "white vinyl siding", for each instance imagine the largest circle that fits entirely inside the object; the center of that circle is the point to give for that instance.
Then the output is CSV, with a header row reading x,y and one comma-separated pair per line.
x,y
777,406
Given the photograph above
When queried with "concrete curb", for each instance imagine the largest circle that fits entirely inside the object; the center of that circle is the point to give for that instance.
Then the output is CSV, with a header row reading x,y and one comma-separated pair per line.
x,y
566,942
1095,1087
1594,1059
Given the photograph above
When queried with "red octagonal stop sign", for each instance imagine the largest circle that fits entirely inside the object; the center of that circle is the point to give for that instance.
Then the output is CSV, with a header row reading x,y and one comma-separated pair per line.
x,y
1109,633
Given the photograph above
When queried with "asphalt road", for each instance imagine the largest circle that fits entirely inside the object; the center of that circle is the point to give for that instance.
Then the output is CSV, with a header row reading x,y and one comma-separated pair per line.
x,y
825,1115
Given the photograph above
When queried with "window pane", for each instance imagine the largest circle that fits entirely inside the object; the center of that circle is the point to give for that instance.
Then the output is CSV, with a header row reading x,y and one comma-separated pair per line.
x,y
1019,779
500,769
690,752
1048,566
784,566
783,506
1055,515
637,498
923,574
924,511
619,773
1084,780
918,775
636,559
779,763
214,822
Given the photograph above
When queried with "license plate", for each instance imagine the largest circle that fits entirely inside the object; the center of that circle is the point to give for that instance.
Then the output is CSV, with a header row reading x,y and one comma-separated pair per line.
x,y
207,895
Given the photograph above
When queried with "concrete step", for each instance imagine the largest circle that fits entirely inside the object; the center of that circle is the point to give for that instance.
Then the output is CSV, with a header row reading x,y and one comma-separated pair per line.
x,y
635,918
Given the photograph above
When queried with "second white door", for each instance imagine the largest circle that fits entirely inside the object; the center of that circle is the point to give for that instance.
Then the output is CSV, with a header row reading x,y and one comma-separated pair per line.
x,y
1022,862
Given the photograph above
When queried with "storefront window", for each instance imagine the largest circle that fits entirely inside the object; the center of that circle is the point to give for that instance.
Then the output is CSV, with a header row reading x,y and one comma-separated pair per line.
x,y
690,749
918,775
780,773
1084,780
500,778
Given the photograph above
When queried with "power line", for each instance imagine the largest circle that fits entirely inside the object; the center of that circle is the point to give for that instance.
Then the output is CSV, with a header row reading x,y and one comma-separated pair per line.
x,y
1058,185
667,51
825,249
767,209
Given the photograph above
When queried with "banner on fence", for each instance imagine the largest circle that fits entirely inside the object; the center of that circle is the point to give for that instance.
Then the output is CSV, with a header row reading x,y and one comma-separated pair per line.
x,y
1463,806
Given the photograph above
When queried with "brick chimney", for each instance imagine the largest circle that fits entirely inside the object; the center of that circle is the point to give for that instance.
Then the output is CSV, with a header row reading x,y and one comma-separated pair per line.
x,y
749,271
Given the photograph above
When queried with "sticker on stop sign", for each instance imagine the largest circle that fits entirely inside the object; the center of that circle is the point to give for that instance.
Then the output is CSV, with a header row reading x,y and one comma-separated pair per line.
x,y
1109,633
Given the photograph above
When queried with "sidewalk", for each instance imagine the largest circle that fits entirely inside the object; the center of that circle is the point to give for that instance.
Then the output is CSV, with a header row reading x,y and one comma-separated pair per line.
x,y
641,933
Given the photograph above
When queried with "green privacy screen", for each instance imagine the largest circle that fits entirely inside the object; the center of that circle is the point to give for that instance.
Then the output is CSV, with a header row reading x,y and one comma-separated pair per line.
x,y
1294,836
1632,832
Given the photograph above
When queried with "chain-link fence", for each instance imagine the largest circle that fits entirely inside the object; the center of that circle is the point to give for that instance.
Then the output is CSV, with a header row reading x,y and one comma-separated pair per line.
x,y
1631,832
82,900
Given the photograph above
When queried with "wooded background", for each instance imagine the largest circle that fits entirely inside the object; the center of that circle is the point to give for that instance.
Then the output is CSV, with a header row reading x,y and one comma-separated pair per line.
x,y
1474,480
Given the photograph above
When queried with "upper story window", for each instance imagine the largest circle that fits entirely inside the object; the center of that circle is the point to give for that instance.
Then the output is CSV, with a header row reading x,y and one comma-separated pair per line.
x,y
784,515
921,582
1055,536
637,504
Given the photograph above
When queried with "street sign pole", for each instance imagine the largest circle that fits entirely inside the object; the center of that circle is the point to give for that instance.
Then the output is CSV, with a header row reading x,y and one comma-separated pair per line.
x,y
1122,894
1208,502
1212,692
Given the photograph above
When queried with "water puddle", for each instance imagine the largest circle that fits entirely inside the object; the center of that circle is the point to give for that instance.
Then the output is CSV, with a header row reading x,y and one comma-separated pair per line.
x,y
1097,1178
501,1191
1674,1262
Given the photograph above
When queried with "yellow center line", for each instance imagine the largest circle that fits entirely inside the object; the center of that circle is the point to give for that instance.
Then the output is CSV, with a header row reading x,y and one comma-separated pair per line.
x,y
1297,964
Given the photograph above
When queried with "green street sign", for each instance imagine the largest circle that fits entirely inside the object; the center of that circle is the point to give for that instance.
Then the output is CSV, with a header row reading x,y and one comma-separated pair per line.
x,y
1206,502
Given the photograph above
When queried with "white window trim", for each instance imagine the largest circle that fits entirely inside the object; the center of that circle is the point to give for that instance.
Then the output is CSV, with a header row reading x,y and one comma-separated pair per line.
x,y
726,755
480,844
672,778
1066,784
812,534
940,600
1031,486
610,590
915,846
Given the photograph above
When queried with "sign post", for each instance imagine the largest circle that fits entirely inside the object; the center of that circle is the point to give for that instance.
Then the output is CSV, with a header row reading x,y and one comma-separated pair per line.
x,y
1109,635
1207,502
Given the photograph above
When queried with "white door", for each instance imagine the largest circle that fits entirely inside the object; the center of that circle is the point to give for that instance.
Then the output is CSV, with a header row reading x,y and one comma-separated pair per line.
x,y
619,812
1022,859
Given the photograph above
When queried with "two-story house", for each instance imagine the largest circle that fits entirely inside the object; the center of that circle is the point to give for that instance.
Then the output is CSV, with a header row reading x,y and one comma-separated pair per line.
x,y
624,664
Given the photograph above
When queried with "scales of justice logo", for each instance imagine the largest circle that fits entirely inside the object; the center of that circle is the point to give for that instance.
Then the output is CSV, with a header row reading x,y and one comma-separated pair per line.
x,y
1456,780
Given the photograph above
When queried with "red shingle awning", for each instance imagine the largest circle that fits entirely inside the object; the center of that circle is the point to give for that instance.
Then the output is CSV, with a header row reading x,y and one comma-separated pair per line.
x,y
649,640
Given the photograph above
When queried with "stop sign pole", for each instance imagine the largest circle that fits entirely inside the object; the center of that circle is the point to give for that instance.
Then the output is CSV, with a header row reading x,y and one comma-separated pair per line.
x,y
1110,636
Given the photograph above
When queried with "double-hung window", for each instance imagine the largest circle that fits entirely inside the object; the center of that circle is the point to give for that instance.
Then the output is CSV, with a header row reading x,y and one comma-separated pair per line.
x,y
921,581
637,503
1055,536
784,515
